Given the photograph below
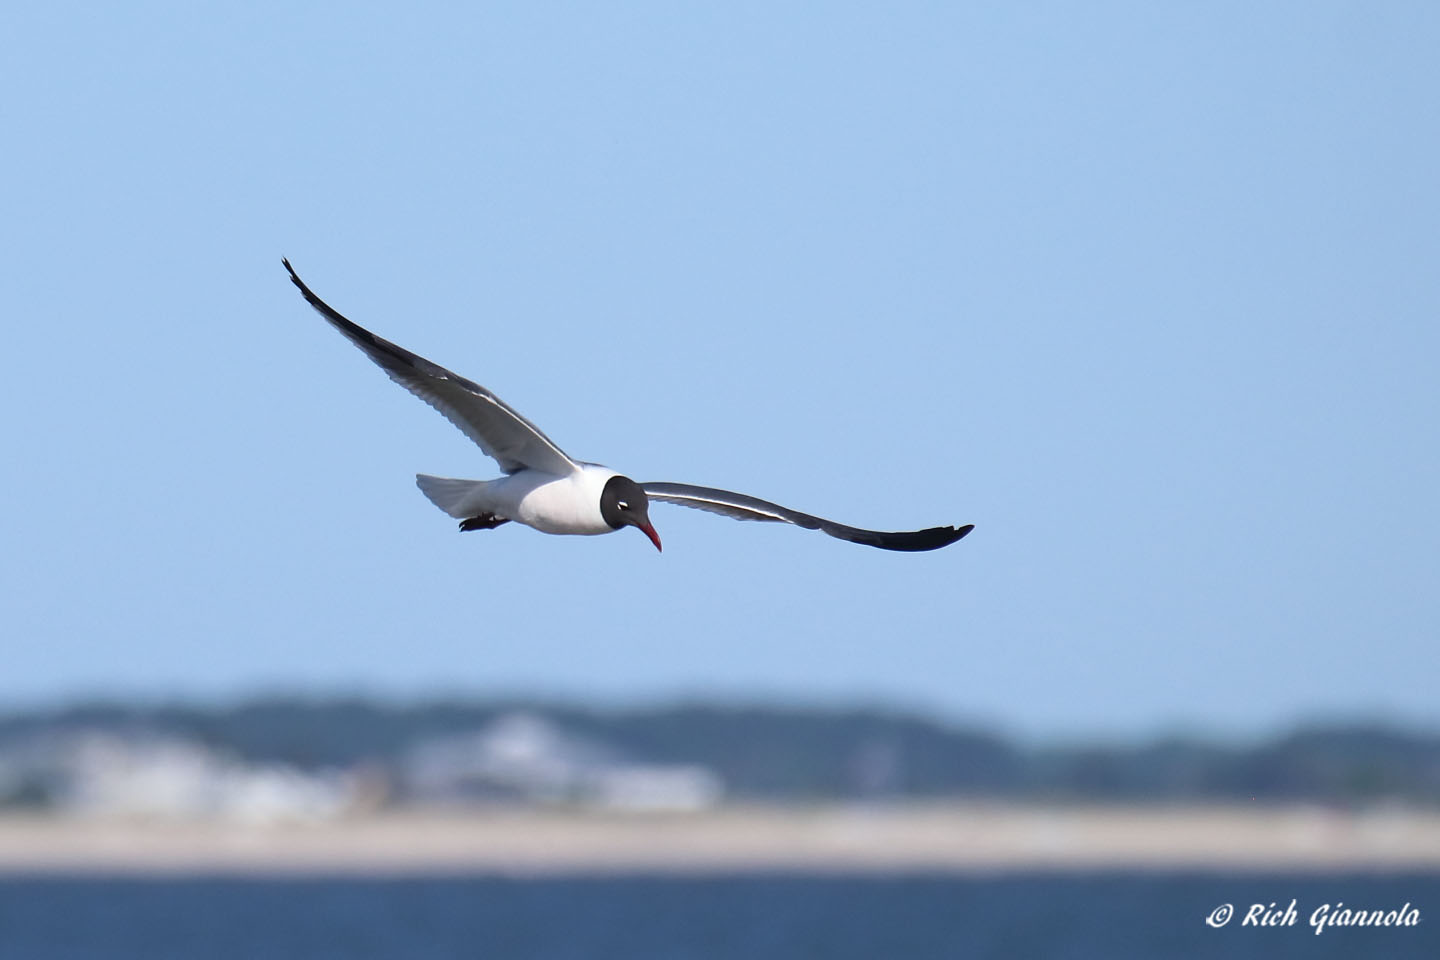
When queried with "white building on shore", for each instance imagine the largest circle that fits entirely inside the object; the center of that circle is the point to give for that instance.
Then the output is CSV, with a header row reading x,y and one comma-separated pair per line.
x,y
524,757
104,773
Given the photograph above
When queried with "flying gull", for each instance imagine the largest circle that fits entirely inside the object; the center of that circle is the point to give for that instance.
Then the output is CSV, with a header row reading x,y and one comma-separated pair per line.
x,y
545,488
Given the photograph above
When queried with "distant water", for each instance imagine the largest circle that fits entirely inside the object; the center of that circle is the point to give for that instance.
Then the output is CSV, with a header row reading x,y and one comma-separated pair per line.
x,y
1072,916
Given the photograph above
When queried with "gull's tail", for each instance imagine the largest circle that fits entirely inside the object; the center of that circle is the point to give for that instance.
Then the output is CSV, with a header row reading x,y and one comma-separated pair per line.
x,y
455,497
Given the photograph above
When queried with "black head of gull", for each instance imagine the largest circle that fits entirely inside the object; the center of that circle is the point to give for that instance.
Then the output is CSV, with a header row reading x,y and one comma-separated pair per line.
x,y
624,504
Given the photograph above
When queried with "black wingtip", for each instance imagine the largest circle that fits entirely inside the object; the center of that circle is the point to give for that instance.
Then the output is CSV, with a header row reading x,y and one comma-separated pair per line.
x,y
914,541
330,313
932,539
922,540
295,278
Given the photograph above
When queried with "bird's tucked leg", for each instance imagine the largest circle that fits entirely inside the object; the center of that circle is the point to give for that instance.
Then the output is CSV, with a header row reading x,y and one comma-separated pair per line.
x,y
486,521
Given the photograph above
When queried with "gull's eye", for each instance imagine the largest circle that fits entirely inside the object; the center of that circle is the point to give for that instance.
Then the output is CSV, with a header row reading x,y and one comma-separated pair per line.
x,y
623,505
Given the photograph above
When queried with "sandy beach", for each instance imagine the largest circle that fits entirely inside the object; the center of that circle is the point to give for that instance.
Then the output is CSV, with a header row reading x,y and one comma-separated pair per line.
x,y
973,837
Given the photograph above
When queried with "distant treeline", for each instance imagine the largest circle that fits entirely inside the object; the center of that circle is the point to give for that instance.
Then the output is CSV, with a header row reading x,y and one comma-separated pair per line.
x,y
794,754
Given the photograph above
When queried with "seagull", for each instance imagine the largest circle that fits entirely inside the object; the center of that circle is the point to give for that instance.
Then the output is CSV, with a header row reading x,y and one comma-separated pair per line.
x,y
546,489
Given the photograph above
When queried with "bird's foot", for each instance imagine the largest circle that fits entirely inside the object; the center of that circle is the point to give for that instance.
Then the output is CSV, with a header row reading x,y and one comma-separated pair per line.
x,y
486,521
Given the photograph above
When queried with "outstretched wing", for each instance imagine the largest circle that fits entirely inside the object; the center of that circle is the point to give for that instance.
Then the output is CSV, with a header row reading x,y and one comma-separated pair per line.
x,y
513,441
742,507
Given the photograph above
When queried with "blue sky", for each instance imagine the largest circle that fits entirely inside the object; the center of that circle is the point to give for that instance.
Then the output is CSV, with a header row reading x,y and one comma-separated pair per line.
x,y
1147,292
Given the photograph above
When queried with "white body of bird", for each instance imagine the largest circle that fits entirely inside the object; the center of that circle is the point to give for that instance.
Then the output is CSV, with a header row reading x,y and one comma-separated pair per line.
x,y
542,501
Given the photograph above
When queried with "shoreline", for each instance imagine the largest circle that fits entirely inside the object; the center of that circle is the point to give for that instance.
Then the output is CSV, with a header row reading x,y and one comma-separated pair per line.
x,y
969,837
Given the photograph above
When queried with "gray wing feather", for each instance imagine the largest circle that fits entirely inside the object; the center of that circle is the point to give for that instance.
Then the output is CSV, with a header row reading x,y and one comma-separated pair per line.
x,y
513,441
743,507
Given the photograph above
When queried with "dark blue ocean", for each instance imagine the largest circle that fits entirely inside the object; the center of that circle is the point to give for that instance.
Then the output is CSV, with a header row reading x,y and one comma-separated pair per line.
x,y
1071,916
